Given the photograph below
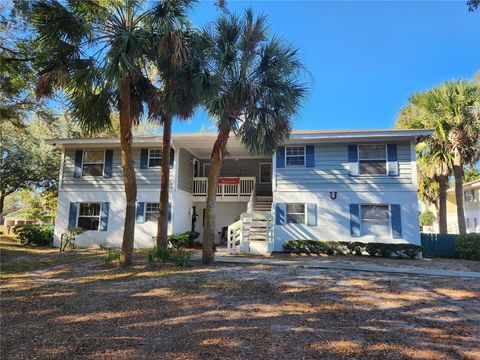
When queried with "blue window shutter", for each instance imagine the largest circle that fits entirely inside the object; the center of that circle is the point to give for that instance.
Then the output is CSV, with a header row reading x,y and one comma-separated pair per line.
x,y
172,157
353,160
78,164
312,214
396,220
144,159
108,164
104,216
355,220
140,218
169,213
72,215
280,213
392,160
281,157
310,155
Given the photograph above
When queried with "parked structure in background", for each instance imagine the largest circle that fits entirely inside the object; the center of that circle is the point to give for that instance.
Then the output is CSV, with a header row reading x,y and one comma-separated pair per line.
x,y
22,217
471,196
357,185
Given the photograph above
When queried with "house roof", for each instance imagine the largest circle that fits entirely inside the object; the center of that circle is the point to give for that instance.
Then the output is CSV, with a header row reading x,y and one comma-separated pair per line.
x,y
23,214
296,136
474,184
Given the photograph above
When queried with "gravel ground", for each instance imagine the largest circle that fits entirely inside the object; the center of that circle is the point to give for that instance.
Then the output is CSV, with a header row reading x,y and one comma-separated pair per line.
x,y
69,306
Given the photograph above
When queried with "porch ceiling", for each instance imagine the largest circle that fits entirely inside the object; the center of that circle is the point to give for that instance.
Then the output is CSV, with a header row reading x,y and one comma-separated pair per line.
x,y
202,148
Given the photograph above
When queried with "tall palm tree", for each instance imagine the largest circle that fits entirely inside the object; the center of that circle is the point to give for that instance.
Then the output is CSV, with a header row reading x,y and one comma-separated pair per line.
x,y
456,105
180,68
434,164
255,89
96,52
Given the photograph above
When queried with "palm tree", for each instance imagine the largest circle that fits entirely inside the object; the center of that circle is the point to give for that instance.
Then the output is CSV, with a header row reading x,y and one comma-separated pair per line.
x,y
255,89
434,164
181,92
98,54
457,104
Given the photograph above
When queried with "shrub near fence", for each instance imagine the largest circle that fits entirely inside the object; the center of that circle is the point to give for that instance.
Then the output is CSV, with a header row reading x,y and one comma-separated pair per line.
x,y
468,246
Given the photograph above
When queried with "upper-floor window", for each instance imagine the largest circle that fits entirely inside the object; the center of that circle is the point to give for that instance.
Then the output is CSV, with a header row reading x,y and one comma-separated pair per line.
x,y
151,211
89,216
375,220
154,158
296,213
295,155
93,161
372,159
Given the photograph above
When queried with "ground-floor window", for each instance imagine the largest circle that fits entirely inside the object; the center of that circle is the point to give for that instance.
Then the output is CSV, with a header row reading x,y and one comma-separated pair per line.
x,y
296,213
89,216
151,211
375,220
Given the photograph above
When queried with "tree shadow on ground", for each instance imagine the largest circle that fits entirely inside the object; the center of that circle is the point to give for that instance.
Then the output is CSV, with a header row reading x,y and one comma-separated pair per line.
x,y
85,310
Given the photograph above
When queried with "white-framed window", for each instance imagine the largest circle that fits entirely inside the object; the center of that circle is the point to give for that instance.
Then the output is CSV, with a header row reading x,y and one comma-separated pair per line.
x,y
151,211
265,173
375,220
296,213
295,155
89,216
372,159
93,162
154,158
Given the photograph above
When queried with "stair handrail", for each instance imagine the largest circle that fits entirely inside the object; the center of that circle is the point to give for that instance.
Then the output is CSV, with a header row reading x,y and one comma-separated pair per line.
x,y
234,235
251,201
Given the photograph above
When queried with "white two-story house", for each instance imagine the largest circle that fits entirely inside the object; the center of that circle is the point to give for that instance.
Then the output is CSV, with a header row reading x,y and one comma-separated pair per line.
x,y
357,185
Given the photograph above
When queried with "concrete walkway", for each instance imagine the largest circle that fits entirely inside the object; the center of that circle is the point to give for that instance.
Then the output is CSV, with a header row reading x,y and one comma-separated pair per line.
x,y
341,266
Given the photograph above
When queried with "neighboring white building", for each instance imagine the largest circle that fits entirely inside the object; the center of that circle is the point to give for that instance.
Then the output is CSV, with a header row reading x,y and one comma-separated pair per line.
x,y
341,185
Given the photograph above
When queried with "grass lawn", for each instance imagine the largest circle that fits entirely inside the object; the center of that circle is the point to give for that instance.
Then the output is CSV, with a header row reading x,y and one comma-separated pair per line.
x,y
70,306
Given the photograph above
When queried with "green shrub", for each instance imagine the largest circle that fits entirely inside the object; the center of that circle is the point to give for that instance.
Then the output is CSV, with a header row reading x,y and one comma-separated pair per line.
x,y
111,256
468,246
182,260
158,254
40,235
67,239
354,248
184,240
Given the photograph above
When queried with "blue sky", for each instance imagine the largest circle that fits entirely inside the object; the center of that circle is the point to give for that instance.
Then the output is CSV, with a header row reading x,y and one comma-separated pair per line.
x,y
365,58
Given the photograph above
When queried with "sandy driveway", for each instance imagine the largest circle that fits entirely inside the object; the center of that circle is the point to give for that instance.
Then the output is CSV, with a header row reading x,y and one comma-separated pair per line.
x,y
73,307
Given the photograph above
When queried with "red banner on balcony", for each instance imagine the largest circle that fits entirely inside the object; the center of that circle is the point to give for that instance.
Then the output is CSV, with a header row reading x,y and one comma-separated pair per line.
x,y
229,181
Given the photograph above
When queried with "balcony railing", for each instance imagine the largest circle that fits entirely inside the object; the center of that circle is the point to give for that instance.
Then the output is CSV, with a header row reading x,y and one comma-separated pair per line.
x,y
228,187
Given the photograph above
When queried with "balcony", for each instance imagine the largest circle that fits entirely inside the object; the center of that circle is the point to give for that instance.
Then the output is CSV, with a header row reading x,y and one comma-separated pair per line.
x,y
228,189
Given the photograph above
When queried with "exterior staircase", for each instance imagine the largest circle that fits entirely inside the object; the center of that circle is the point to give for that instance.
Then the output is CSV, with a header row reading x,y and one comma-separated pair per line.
x,y
263,204
252,234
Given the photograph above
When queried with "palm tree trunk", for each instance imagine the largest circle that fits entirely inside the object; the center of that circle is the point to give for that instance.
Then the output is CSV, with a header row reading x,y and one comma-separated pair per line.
x,y
162,225
218,154
2,203
458,174
126,139
442,204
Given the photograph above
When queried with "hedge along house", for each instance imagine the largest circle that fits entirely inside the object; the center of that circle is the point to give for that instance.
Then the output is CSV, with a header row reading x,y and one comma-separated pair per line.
x,y
321,185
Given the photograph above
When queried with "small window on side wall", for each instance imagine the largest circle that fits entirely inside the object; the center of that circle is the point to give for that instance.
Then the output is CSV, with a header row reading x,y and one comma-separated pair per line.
x,y
93,162
89,216
295,155
154,158
296,213
372,159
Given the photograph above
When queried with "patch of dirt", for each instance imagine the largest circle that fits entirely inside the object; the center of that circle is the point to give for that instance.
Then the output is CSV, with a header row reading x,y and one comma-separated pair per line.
x,y
63,309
